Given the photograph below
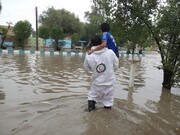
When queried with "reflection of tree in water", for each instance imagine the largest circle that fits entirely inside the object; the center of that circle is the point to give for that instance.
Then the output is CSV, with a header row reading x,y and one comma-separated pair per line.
x,y
26,69
110,122
161,118
58,63
53,71
167,118
22,63
168,107
61,66
2,96
60,71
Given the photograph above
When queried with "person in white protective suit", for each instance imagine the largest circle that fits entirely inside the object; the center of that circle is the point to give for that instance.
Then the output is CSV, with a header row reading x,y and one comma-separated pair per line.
x,y
103,64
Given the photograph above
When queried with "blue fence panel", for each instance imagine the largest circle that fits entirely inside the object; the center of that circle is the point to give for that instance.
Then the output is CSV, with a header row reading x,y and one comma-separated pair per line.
x,y
32,52
21,52
10,51
52,53
42,52
84,54
122,55
76,53
68,53
133,56
60,52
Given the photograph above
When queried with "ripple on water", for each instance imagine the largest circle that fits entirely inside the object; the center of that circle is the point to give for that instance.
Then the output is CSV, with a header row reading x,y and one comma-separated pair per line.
x,y
48,95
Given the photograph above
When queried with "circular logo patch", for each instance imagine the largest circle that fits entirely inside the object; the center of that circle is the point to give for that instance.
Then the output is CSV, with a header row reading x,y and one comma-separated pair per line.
x,y
101,68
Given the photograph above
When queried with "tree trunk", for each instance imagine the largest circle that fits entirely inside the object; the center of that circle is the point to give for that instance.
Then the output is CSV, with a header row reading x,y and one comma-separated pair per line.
x,y
167,79
133,49
3,39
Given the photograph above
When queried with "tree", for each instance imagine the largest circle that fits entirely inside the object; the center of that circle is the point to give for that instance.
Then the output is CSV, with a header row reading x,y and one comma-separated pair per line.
x,y
61,18
3,35
75,39
168,41
60,23
56,34
94,20
146,20
22,31
43,32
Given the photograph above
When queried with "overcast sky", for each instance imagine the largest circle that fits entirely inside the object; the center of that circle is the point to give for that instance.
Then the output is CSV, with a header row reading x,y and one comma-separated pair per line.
x,y
15,10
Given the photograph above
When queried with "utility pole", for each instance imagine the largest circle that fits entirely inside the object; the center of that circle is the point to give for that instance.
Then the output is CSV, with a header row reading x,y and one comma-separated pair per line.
x,y
36,29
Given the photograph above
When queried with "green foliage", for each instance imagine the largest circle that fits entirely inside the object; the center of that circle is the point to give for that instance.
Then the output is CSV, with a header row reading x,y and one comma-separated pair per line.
x,y
169,35
43,32
4,34
61,18
22,31
56,34
57,24
75,39
94,20
3,30
140,21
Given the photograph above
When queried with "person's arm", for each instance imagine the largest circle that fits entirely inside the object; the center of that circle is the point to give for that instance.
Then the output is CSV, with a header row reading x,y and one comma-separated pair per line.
x,y
99,47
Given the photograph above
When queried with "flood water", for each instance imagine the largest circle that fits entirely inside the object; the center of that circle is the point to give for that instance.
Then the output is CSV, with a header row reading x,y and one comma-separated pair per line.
x,y
47,95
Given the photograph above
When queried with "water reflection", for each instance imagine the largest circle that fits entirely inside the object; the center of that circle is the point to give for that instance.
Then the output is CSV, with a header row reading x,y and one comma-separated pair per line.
x,y
2,97
47,95
166,118
124,73
130,95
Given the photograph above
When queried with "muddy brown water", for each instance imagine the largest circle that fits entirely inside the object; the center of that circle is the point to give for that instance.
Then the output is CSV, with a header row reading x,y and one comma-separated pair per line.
x,y
47,95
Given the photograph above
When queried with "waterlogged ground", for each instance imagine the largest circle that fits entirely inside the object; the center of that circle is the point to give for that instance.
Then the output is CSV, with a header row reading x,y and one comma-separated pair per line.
x,y
46,95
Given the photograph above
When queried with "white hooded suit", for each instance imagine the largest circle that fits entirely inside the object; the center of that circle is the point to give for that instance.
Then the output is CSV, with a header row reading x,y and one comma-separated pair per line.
x,y
103,64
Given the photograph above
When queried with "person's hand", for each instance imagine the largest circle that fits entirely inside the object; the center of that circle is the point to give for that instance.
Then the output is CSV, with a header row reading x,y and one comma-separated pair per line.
x,y
90,51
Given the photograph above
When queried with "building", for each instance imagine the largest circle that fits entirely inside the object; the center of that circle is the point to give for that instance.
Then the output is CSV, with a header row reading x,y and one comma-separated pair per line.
x,y
49,43
32,43
8,42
